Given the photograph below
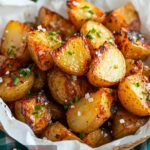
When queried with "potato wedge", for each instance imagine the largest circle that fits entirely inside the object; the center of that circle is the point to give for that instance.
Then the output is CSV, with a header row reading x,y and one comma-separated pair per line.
x,y
16,85
34,111
97,138
108,67
90,112
134,94
134,67
125,16
66,88
41,44
57,132
14,41
80,11
132,44
54,22
146,71
125,123
96,34
74,56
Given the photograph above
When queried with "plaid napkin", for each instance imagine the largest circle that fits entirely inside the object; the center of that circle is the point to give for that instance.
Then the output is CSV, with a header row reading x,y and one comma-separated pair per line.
x,y
7,143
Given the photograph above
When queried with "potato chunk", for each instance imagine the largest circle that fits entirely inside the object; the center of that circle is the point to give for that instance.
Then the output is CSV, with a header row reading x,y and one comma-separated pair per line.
x,y
134,94
96,34
54,22
74,56
132,44
97,138
90,112
14,41
66,88
34,111
108,67
57,132
41,44
80,11
125,16
125,123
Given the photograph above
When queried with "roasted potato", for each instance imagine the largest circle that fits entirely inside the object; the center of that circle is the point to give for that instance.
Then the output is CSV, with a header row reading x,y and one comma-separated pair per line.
x,y
90,112
125,16
108,67
66,88
146,71
16,85
134,94
97,138
57,132
134,67
34,111
74,56
96,34
41,44
80,11
54,22
125,123
132,44
14,41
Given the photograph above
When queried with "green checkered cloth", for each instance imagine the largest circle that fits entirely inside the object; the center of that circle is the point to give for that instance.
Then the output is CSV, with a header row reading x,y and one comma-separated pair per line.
x,y
7,143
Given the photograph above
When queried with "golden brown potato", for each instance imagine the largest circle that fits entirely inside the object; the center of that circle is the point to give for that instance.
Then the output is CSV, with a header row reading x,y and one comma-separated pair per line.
x,y
80,11
146,71
14,41
125,16
97,138
74,56
132,44
66,88
34,111
134,94
16,85
133,67
108,67
41,44
90,112
125,123
54,22
96,34
57,132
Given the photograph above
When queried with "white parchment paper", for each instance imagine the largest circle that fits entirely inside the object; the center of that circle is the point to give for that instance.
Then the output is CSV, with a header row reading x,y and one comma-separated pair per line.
x,y
26,10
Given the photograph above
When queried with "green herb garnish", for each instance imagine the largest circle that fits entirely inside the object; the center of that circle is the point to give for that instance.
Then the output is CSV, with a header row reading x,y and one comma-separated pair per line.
x,y
111,41
137,84
29,93
66,107
37,107
24,72
10,65
85,7
71,103
91,12
99,35
52,33
15,79
81,135
70,53
76,98
11,53
93,30
35,114
148,97
90,36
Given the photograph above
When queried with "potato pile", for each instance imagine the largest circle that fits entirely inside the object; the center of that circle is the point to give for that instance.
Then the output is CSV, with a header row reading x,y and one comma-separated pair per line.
x,y
81,78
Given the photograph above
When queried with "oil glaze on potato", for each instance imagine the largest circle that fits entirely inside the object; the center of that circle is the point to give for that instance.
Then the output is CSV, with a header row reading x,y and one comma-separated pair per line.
x,y
134,94
34,111
80,11
65,88
73,57
90,112
108,67
57,132
14,43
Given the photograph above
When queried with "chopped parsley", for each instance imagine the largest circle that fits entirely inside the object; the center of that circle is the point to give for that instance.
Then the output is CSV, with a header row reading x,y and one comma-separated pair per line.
x,y
91,12
99,35
52,33
76,98
137,84
81,135
111,41
28,93
24,72
66,107
93,30
70,53
35,114
148,97
71,103
15,79
85,7
90,36
10,65
11,52
37,107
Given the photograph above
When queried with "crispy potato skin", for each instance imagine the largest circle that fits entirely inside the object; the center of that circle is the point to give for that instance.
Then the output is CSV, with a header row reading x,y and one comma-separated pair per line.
x,y
80,119
14,42
130,125
64,88
102,73
125,16
97,138
99,33
132,44
54,22
73,57
34,111
134,67
133,92
146,71
10,92
80,11
57,132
